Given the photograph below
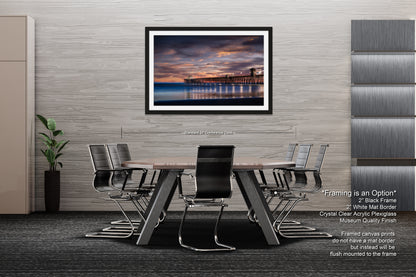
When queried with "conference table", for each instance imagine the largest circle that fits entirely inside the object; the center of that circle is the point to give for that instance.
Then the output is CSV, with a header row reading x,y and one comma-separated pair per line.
x,y
244,171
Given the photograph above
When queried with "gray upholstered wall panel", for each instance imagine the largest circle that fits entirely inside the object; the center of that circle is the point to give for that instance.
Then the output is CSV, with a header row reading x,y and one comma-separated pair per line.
x,y
383,138
382,35
382,68
400,179
383,100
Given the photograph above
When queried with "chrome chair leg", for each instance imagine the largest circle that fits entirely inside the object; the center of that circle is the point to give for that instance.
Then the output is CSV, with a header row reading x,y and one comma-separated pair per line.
x,y
140,210
275,210
162,216
292,223
251,216
181,228
284,213
115,232
291,231
224,247
125,222
145,201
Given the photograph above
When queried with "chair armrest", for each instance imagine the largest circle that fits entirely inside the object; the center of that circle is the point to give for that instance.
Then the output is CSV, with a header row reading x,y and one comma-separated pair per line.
x,y
131,168
281,168
109,170
191,176
120,169
187,173
179,180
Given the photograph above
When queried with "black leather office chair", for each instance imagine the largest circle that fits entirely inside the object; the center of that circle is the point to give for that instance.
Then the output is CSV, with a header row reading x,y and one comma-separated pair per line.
x,y
297,194
106,179
213,183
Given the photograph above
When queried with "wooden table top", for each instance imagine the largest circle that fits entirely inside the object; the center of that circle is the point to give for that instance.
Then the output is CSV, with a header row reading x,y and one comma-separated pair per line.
x,y
190,162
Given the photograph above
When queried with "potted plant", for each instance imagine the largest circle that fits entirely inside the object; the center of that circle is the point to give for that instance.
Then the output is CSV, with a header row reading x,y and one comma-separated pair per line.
x,y
52,153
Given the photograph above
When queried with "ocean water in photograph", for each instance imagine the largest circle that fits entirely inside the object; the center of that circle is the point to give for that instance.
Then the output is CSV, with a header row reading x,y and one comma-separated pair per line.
x,y
208,94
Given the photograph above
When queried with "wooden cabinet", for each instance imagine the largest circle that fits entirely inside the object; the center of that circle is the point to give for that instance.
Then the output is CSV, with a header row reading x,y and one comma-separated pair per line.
x,y
17,110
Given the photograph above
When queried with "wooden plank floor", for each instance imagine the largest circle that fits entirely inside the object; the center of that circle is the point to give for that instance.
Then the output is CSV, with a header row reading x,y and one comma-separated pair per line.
x,y
43,244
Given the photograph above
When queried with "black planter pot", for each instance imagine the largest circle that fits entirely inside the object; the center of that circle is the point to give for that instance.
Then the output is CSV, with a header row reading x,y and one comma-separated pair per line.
x,y
52,190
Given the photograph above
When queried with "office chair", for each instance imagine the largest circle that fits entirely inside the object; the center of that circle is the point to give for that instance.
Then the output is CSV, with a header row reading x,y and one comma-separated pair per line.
x,y
297,194
284,175
265,186
213,183
289,157
301,161
106,179
124,155
118,154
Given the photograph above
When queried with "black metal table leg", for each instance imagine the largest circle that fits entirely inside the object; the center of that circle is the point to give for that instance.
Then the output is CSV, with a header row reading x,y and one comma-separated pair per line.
x,y
161,195
172,193
254,198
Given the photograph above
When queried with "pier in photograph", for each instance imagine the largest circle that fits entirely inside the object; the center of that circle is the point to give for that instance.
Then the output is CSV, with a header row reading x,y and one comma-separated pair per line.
x,y
253,78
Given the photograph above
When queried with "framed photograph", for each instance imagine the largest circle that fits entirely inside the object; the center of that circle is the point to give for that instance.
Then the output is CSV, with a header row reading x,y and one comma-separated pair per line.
x,y
208,70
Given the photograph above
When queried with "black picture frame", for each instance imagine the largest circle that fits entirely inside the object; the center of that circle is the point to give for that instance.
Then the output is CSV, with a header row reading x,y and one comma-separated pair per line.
x,y
254,97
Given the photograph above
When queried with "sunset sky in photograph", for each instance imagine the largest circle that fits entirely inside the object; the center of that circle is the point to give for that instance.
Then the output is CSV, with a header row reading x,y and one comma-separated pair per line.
x,y
180,57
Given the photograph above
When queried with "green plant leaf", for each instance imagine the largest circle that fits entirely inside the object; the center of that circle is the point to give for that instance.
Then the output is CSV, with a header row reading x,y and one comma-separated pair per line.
x,y
51,124
62,146
53,146
47,138
46,143
59,143
50,156
57,133
43,120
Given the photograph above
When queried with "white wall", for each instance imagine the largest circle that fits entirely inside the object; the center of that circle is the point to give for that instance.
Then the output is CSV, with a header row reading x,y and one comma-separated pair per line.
x,y
90,78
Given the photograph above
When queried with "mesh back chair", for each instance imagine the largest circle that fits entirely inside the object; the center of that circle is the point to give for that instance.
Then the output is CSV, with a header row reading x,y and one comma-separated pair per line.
x,y
289,157
105,181
300,173
290,152
285,175
116,163
123,152
213,183
303,155
124,155
118,154
266,187
292,199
